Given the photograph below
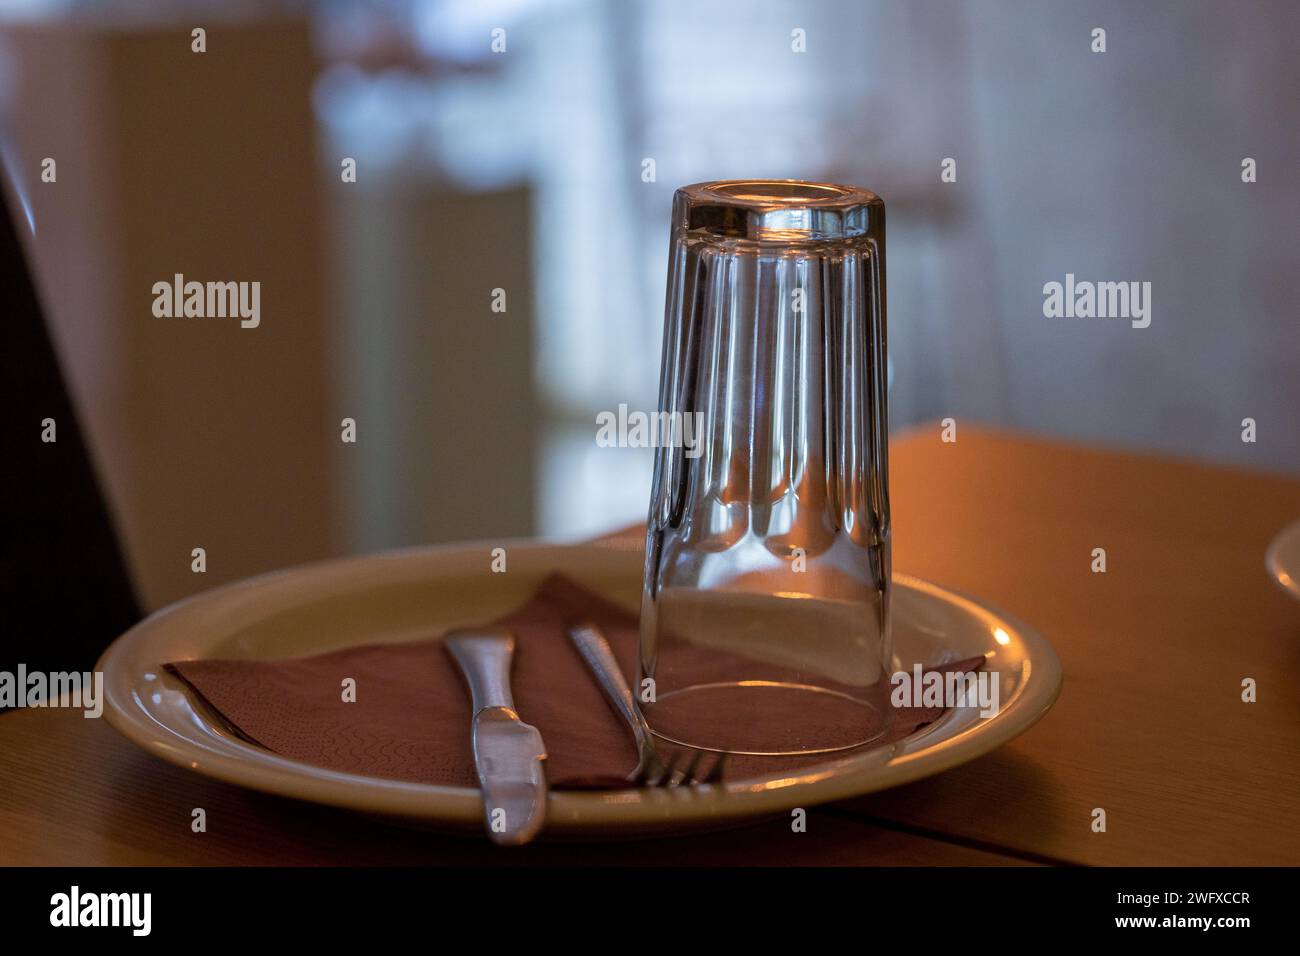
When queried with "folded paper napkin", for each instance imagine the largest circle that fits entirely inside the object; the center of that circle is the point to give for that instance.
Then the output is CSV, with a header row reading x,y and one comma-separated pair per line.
x,y
411,716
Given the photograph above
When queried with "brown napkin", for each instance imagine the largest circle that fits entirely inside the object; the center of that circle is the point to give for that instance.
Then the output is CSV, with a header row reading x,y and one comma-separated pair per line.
x,y
411,717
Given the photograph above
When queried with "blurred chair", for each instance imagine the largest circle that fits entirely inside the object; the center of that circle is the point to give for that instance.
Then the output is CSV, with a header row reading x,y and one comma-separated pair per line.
x,y
63,583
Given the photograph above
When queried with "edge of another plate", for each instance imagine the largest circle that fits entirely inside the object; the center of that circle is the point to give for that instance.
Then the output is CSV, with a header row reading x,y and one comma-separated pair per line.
x,y
1277,571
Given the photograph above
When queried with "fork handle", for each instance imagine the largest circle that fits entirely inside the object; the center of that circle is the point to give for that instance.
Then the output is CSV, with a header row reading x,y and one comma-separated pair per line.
x,y
596,653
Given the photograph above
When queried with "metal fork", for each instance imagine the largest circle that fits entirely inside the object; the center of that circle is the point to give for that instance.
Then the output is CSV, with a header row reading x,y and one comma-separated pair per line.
x,y
651,770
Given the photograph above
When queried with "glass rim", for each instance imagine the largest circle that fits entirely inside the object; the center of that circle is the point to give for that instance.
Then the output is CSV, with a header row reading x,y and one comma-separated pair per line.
x,y
776,210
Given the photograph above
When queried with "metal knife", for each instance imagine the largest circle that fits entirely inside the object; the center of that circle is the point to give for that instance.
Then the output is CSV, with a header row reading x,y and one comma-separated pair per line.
x,y
508,753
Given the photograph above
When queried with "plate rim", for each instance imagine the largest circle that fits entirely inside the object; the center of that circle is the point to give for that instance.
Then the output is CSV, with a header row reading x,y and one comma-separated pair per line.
x,y
569,813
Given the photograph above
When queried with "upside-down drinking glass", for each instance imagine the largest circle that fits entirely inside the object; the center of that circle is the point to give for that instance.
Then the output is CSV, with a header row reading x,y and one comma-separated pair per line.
x,y
765,612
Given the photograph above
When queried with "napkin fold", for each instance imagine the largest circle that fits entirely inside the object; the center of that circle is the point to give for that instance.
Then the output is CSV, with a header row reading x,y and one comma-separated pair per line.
x,y
411,716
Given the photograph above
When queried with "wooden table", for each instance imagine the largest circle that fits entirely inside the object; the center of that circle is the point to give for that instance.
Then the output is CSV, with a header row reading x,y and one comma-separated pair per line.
x,y
1150,726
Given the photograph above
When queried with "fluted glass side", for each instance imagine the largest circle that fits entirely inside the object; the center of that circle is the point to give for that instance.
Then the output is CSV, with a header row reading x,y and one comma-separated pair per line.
x,y
765,614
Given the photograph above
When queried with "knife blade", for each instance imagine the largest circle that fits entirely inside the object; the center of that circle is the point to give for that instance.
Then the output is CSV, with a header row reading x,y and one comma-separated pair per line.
x,y
508,753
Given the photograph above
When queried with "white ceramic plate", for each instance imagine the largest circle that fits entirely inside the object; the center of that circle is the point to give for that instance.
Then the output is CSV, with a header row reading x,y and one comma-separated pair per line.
x,y
1283,560
408,595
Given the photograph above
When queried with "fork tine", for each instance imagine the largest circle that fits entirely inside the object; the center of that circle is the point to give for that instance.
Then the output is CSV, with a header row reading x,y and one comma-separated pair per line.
x,y
645,769
715,773
679,772
687,774
665,771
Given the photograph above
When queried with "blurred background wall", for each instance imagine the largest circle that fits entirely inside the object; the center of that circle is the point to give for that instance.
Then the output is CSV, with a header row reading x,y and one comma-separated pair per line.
x,y
503,145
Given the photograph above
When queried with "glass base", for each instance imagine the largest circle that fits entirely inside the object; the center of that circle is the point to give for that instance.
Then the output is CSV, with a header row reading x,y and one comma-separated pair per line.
x,y
765,718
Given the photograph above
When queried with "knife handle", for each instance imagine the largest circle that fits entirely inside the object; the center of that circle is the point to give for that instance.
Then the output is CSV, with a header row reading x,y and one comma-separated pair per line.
x,y
484,658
